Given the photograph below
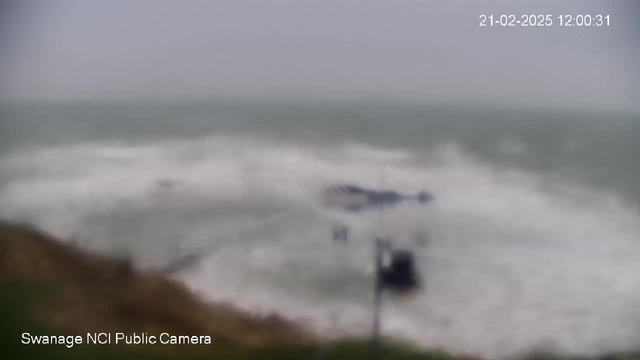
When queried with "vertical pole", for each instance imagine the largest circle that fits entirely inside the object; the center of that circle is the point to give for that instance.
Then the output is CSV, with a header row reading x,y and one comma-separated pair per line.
x,y
377,300
381,245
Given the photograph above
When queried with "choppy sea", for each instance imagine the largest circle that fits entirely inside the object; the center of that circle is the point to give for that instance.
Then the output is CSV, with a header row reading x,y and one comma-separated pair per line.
x,y
533,236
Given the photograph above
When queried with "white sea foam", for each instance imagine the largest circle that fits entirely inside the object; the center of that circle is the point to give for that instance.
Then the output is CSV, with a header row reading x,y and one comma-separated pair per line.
x,y
512,263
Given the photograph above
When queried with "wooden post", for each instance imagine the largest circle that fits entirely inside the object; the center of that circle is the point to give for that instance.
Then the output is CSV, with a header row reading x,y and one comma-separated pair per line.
x,y
381,246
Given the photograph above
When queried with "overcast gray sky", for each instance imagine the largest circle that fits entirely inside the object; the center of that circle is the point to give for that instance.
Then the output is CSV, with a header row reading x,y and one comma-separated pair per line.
x,y
414,50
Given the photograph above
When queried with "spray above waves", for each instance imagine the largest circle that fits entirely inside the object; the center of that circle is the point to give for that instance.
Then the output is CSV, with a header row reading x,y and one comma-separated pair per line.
x,y
513,261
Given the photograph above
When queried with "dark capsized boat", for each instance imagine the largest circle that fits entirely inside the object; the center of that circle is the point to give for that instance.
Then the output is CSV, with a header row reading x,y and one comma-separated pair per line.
x,y
354,198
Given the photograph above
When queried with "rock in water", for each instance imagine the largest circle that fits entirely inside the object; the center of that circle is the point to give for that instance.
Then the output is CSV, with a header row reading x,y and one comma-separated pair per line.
x,y
400,275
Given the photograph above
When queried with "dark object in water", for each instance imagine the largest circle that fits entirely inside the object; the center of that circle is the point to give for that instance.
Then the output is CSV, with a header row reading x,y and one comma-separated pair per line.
x,y
354,198
341,233
400,275
182,263
166,183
